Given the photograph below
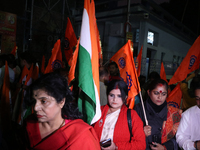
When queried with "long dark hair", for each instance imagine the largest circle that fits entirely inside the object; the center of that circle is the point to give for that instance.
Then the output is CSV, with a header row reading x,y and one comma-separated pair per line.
x,y
56,86
118,84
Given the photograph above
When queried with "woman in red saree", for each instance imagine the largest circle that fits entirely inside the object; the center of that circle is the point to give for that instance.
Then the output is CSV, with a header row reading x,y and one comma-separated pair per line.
x,y
55,123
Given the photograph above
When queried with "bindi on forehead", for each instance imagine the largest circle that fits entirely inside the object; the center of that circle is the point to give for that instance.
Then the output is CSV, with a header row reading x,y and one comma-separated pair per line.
x,y
160,91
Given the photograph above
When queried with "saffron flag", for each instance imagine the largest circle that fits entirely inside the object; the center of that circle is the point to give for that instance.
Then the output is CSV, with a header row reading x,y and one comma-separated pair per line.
x,y
189,63
71,75
138,62
174,98
55,61
125,62
35,73
14,50
88,67
43,65
70,41
5,100
98,37
162,72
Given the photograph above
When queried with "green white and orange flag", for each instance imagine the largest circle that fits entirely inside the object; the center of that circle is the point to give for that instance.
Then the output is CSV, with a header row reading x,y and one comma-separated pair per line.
x,y
88,66
126,65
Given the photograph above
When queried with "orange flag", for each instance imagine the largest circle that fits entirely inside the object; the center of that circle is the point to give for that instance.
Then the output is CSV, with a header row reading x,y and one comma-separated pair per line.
x,y
55,61
14,50
97,33
162,72
5,100
125,62
43,64
138,62
174,98
73,64
35,73
189,63
70,41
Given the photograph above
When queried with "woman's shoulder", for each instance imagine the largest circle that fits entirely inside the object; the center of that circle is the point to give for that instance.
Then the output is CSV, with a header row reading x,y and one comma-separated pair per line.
x,y
77,125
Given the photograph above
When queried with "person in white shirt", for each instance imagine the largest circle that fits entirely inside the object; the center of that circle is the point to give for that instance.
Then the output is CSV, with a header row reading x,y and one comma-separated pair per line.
x,y
188,133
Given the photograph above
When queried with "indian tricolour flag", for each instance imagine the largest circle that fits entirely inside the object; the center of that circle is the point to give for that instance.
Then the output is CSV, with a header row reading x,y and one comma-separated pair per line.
x,y
88,66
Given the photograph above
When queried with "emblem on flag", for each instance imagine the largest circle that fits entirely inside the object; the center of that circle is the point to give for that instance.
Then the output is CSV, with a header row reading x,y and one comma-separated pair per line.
x,y
56,64
174,104
136,64
122,62
192,60
129,81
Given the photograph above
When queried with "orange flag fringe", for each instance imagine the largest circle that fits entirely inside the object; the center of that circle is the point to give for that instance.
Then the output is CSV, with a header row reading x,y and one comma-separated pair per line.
x,y
125,62
162,72
5,100
138,62
70,41
73,64
55,61
189,63
174,98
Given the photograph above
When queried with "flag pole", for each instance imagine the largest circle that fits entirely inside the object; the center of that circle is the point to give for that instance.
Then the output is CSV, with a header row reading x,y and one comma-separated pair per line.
x,y
145,116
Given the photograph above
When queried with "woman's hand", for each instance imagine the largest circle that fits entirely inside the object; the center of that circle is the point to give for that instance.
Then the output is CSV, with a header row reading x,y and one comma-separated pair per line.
x,y
147,130
157,146
111,147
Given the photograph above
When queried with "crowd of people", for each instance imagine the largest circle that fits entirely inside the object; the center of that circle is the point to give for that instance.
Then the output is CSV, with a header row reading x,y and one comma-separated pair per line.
x,y
44,113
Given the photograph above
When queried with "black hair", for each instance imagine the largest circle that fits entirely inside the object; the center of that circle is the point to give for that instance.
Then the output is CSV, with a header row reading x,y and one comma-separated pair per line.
x,y
121,85
56,86
195,82
156,82
103,71
27,56
153,75
113,63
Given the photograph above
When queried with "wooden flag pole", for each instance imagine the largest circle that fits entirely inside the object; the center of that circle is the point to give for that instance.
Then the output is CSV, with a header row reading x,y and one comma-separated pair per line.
x,y
145,116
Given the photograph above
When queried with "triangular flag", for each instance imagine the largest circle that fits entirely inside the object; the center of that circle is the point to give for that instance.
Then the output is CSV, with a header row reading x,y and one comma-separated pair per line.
x,y
55,61
71,75
5,101
70,40
35,72
138,62
88,66
189,63
14,50
162,72
126,65
174,98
